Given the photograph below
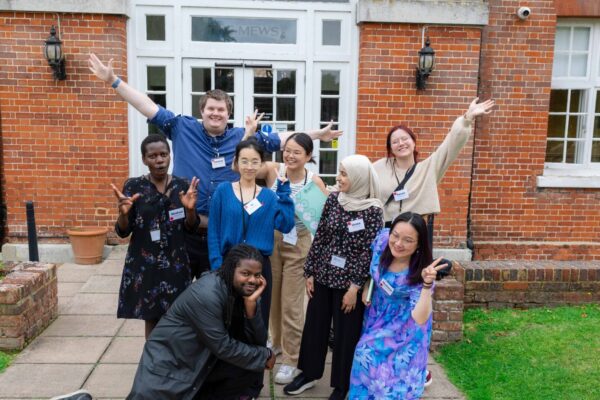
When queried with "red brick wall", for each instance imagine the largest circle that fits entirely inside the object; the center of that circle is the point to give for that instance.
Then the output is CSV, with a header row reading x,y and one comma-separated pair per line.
x,y
63,141
387,96
511,217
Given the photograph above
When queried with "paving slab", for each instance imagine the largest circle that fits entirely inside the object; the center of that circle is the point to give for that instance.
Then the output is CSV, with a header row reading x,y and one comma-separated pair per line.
x,y
69,289
132,327
440,388
111,267
84,325
42,381
75,272
124,350
63,304
102,284
92,304
64,350
111,380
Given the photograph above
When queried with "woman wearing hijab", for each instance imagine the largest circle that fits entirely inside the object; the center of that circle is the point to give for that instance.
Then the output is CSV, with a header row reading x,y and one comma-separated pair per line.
x,y
336,268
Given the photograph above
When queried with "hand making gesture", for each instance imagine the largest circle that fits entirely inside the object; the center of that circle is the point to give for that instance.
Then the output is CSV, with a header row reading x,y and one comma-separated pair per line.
x,y
430,272
125,203
283,179
189,198
252,124
327,134
102,72
477,109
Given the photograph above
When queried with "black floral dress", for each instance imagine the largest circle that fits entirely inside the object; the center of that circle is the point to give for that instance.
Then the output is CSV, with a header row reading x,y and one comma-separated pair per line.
x,y
156,267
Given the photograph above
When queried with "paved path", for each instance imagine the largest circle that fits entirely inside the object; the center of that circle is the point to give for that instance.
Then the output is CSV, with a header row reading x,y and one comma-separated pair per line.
x,y
88,347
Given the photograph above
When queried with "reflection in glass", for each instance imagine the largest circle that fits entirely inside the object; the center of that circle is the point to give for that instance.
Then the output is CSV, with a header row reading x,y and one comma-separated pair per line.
x,y
286,82
158,99
264,105
332,32
156,78
554,152
329,109
556,126
201,79
244,30
155,27
286,109
263,80
576,125
224,79
330,82
328,162
558,100
571,150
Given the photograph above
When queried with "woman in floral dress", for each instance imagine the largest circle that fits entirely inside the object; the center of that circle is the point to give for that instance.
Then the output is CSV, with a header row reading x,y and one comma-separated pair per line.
x,y
155,209
390,359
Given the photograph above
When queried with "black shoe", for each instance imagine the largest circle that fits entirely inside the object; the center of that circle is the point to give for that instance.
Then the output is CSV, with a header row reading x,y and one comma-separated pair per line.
x,y
78,395
299,385
337,394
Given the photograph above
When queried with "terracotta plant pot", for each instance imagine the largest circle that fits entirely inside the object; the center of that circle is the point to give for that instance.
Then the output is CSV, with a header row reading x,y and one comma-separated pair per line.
x,y
88,244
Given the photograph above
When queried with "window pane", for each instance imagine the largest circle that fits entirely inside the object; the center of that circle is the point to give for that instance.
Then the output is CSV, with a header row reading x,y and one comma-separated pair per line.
x,y
581,39
579,65
159,99
596,132
560,65
554,152
571,149
576,126
200,79
286,82
263,80
153,129
332,32
264,105
155,27
330,82
329,109
562,38
328,162
595,151
598,102
558,100
244,30
224,79
576,106
196,106
156,78
333,143
556,126
286,109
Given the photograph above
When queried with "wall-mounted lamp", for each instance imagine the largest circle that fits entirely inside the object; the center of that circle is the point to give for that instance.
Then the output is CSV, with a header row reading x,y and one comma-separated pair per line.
x,y
425,66
54,55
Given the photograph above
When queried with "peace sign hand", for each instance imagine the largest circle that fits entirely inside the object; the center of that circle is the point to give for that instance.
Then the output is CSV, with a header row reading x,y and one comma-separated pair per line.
x,y
252,123
280,178
189,199
125,203
430,272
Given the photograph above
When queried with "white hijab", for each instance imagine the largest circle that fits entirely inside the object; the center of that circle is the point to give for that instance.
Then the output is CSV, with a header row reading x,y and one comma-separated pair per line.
x,y
364,184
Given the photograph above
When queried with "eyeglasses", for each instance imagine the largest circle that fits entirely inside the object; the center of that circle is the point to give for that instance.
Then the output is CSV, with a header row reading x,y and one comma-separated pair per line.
x,y
406,241
253,163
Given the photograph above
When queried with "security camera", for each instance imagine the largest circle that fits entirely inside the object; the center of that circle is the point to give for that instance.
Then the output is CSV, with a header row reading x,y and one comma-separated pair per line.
x,y
524,12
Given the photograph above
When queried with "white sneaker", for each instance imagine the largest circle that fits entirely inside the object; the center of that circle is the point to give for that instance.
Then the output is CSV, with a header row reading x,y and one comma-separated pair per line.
x,y
286,374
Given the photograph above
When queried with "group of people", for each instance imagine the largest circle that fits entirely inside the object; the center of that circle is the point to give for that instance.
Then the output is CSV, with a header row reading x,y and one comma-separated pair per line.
x,y
368,271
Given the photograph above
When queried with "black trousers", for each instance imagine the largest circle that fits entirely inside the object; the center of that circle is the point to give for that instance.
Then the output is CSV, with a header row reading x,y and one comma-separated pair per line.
x,y
326,304
197,248
229,382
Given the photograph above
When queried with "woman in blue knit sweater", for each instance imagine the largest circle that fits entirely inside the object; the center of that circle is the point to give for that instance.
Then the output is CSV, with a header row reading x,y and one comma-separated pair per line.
x,y
243,212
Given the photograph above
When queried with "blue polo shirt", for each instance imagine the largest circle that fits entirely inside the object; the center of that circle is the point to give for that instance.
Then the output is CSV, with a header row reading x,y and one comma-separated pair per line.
x,y
194,150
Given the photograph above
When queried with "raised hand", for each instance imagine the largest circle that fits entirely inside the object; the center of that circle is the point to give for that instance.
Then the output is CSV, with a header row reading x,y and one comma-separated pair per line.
x,y
125,203
477,109
327,134
280,178
102,72
430,272
190,197
251,123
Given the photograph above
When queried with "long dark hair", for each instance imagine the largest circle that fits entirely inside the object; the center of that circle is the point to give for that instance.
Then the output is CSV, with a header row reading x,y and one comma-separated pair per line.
x,y
388,140
421,258
232,260
303,141
250,143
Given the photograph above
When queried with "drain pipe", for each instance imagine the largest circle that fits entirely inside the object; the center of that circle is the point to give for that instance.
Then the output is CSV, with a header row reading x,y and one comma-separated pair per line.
x,y
31,232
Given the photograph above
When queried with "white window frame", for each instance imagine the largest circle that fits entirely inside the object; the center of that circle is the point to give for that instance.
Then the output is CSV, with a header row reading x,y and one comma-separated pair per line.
x,y
586,174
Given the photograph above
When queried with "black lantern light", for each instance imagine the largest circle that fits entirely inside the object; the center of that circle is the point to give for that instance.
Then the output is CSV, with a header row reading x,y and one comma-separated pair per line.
x,y
54,55
425,66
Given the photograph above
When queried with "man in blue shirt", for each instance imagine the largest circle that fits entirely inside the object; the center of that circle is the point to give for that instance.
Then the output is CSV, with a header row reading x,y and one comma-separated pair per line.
x,y
201,149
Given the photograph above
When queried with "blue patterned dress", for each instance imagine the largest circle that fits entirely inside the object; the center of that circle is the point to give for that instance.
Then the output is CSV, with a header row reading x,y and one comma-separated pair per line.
x,y
390,359
156,269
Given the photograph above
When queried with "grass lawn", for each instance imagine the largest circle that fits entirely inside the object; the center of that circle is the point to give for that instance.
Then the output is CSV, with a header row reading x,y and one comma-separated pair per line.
x,y
549,354
5,359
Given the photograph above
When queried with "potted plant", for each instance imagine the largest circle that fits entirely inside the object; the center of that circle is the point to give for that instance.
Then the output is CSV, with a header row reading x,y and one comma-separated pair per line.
x,y
88,244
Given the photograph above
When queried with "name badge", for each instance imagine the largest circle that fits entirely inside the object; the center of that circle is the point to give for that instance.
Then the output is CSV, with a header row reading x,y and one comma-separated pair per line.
x,y
155,235
356,225
218,162
252,206
387,288
176,214
291,237
400,195
337,261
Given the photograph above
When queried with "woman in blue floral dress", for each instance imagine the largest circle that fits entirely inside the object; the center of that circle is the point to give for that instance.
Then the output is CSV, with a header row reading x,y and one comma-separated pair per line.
x,y
390,359
155,209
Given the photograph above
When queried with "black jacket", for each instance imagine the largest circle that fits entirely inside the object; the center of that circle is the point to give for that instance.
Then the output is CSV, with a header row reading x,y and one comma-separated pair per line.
x,y
190,337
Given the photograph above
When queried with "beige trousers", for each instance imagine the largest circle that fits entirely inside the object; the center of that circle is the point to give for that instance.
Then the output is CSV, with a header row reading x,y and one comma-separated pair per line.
x,y
287,296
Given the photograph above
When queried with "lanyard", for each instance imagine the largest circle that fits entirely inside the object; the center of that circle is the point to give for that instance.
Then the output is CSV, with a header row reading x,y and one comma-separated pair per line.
x,y
244,225
305,176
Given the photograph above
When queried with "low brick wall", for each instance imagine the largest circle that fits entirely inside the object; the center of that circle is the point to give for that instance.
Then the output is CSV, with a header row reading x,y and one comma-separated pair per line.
x,y
522,284
28,303
448,306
